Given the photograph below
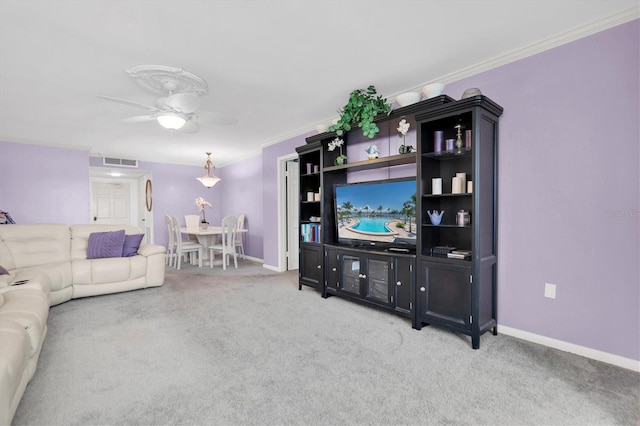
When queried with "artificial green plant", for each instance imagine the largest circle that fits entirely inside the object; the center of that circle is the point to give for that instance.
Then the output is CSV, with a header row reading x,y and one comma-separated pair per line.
x,y
362,108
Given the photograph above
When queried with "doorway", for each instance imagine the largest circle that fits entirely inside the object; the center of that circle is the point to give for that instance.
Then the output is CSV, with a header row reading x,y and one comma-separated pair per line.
x,y
288,208
118,197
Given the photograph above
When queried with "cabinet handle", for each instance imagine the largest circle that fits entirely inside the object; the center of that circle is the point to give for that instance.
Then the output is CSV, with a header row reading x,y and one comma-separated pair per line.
x,y
319,266
364,276
399,283
334,269
423,289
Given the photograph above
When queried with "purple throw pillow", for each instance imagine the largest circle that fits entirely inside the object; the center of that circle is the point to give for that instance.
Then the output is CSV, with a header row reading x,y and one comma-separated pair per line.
x,y
105,244
3,271
131,244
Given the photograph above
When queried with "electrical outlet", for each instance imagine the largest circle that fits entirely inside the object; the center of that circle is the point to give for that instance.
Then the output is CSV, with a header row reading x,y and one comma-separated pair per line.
x,y
550,290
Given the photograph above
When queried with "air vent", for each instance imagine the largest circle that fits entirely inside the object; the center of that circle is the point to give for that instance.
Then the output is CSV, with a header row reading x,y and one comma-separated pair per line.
x,y
119,162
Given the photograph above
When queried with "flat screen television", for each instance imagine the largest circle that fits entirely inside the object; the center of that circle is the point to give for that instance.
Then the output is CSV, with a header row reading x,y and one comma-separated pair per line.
x,y
377,214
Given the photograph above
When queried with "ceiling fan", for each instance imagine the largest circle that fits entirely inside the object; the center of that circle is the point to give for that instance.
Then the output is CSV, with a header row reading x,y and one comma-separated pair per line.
x,y
177,108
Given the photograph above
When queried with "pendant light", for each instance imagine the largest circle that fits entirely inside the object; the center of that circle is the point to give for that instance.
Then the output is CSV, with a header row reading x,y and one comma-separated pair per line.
x,y
207,180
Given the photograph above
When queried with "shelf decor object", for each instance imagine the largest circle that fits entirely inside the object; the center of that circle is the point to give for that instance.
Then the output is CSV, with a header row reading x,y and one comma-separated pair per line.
x,y
432,90
403,129
408,98
360,111
340,159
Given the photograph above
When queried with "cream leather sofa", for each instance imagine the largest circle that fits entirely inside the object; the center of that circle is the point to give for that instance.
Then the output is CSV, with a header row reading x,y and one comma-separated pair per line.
x,y
48,265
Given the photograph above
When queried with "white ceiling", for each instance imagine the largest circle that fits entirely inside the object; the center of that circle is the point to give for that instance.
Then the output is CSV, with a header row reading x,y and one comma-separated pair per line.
x,y
278,67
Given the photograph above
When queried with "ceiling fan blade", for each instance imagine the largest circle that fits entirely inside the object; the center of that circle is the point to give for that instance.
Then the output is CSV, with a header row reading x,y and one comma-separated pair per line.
x,y
217,118
130,103
139,119
184,102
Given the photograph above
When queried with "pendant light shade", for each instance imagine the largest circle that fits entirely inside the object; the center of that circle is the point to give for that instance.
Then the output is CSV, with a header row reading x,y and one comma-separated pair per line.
x,y
208,180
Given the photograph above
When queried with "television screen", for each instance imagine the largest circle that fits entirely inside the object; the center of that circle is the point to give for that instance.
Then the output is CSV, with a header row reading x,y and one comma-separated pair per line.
x,y
380,213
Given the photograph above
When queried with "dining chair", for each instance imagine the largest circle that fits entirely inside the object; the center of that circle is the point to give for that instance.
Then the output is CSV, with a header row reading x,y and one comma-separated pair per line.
x,y
170,254
192,221
238,239
185,247
228,243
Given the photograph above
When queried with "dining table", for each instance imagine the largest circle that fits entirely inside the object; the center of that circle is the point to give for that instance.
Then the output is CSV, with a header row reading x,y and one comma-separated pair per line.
x,y
206,236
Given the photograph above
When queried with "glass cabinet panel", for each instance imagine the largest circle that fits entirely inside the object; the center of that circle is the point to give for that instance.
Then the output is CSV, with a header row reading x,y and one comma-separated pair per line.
x,y
377,280
351,274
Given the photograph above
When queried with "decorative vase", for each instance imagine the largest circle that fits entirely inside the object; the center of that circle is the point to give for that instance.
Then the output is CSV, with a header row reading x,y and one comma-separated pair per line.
x,y
204,225
342,159
405,149
435,216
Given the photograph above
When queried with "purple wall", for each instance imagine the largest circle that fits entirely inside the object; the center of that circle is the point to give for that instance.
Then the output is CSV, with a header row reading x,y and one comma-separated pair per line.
x,y
569,190
242,193
175,189
270,156
44,185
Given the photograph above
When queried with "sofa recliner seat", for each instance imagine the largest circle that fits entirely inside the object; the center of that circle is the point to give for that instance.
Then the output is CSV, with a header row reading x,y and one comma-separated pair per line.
x,y
48,265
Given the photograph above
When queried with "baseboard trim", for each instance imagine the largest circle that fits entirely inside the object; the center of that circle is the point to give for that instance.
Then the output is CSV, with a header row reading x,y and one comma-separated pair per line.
x,y
253,259
272,268
617,360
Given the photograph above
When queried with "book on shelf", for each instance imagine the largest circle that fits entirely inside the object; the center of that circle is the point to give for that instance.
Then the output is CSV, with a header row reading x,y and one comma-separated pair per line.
x,y
459,254
442,250
310,232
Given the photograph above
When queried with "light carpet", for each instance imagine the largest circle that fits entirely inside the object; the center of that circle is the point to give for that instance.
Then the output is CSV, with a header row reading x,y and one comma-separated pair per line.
x,y
246,347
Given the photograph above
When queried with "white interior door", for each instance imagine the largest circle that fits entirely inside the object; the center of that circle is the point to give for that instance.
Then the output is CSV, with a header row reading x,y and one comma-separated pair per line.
x,y
111,203
293,208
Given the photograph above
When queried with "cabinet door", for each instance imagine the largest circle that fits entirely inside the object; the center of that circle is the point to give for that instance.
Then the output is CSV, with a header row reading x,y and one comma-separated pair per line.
x,y
377,275
332,270
404,285
311,257
445,294
350,277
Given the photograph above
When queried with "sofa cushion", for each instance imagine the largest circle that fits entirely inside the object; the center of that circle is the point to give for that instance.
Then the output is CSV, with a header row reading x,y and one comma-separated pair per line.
x,y
6,280
24,246
29,307
13,367
105,244
80,236
131,244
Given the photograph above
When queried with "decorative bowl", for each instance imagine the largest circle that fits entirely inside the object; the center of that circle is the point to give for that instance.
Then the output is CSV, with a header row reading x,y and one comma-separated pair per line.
x,y
321,128
408,98
474,91
432,90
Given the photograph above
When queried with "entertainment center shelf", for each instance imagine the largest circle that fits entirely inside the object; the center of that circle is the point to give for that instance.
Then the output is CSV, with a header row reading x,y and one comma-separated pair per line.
x,y
455,289
393,160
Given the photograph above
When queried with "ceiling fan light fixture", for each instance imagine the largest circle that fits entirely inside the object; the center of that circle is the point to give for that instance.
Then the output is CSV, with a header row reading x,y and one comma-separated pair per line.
x,y
208,180
171,120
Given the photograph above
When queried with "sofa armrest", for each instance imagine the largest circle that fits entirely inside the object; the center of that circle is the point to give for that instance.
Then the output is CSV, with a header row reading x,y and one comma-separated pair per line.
x,y
29,278
151,249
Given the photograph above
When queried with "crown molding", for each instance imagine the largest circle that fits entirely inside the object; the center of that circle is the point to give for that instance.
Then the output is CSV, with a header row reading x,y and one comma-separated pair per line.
x,y
515,55
538,47
27,141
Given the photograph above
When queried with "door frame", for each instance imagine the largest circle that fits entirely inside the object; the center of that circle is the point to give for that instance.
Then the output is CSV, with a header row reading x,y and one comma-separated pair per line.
x,y
136,179
282,210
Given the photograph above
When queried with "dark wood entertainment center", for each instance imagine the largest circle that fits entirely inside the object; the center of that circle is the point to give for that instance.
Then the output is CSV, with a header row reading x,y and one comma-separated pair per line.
x,y
455,290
